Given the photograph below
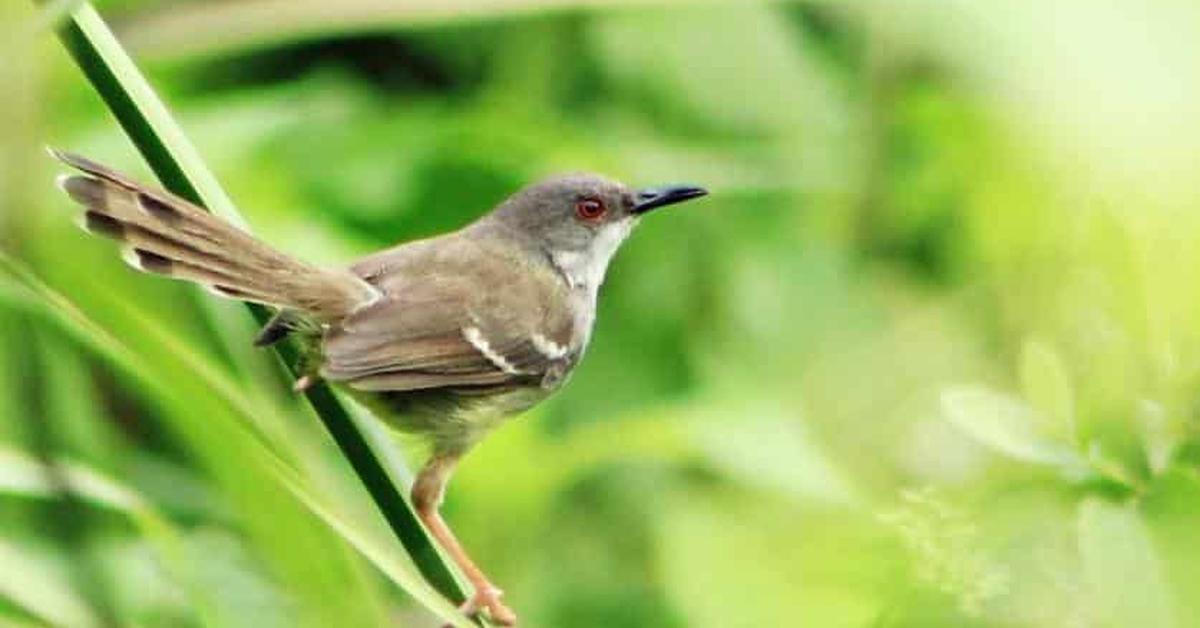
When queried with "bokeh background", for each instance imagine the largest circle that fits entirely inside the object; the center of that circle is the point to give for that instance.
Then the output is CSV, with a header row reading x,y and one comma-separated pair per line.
x,y
928,356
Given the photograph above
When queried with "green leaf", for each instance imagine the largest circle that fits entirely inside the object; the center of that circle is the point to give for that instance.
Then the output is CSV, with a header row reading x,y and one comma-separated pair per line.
x,y
21,474
41,588
178,166
1005,425
1121,567
82,430
1161,434
705,545
1171,509
1047,386
771,448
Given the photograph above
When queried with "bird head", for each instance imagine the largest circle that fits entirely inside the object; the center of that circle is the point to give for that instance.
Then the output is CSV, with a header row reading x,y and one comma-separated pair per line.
x,y
580,220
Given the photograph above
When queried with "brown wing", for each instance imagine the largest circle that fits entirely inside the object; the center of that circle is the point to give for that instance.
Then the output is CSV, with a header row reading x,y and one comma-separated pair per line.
x,y
455,314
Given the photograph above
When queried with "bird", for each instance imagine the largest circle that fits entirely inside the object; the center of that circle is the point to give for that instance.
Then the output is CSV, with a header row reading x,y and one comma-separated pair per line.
x,y
446,337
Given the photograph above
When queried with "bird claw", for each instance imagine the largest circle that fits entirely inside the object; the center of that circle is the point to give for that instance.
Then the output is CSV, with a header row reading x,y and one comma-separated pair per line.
x,y
487,600
304,383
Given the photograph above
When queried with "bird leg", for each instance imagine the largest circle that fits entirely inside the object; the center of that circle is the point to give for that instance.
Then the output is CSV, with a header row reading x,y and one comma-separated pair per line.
x,y
427,493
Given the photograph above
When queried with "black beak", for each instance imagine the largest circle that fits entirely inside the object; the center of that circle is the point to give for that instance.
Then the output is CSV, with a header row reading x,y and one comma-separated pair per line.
x,y
652,198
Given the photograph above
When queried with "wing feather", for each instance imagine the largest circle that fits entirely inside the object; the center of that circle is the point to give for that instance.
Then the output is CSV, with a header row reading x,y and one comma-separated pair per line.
x,y
452,315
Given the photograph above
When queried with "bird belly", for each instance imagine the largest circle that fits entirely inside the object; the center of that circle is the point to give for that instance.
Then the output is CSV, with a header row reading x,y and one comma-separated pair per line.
x,y
453,418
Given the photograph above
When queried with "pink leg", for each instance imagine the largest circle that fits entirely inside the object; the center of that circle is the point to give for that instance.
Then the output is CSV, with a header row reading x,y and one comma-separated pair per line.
x,y
427,495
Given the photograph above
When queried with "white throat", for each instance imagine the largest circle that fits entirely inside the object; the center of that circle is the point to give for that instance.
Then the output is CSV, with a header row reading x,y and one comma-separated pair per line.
x,y
585,270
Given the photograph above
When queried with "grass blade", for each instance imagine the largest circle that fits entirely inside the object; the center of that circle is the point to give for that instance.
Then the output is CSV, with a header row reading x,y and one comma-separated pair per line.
x,y
38,589
21,474
178,166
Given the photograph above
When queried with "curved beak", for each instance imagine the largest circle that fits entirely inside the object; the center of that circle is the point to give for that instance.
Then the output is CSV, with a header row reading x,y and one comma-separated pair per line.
x,y
652,198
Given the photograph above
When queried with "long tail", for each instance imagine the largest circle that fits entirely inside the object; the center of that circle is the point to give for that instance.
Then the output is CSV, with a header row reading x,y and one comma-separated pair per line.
x,y
166,235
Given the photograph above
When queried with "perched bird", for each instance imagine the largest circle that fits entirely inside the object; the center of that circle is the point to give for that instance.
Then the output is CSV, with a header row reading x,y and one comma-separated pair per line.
x,y
445,337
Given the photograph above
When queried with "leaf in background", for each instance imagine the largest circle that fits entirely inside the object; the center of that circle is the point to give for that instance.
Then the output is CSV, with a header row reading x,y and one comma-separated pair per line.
x,y
41,588
1171,509
1007,426
1161,435
771,448
10,372
84,432
1121,567
1111,467
1046,385
22,474
947,549
800,577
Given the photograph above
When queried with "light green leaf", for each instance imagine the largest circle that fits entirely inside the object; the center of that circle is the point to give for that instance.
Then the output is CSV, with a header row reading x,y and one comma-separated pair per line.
x,y
41,588
22,474
1121,567
707,545
771,448
1161,434
1006,425
1046,385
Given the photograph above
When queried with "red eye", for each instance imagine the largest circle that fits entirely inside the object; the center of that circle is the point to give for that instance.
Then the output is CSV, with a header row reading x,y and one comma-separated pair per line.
x,y
590,208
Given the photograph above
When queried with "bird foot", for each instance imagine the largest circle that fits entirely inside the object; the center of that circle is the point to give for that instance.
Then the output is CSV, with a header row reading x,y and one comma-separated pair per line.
x,y
487,600
304,383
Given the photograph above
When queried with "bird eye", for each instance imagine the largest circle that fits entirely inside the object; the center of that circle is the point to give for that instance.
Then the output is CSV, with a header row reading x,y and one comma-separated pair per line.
x,y
590,208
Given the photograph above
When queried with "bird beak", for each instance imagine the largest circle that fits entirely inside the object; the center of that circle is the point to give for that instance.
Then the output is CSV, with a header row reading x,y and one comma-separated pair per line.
x,y
652,198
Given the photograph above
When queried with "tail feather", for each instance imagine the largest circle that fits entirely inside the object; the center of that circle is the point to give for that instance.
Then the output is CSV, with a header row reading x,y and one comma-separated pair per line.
x,y
168,236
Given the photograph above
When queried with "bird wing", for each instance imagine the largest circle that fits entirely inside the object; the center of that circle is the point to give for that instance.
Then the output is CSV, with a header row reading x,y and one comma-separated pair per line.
x,y
455,313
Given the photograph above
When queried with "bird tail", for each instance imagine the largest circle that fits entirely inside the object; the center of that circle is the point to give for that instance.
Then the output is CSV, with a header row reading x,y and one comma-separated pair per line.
x,y
166,235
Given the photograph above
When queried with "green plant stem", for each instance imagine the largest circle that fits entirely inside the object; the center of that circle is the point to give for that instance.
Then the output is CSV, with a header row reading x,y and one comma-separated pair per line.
x,y
178,166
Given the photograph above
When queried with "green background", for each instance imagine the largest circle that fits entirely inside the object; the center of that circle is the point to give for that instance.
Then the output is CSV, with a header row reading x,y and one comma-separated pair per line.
x,y
929,355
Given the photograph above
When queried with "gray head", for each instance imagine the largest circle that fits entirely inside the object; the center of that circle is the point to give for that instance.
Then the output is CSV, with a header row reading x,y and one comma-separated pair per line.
x,y
581,219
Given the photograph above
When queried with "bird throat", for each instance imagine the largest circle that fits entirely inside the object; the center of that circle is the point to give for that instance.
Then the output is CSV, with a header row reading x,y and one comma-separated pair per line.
x,y
584,269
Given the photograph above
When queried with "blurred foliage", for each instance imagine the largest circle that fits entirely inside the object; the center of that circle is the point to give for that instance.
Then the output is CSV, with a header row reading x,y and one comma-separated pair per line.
x,y
928,356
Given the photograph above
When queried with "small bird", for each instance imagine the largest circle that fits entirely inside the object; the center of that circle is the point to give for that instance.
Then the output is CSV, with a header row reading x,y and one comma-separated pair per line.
x,y
446,337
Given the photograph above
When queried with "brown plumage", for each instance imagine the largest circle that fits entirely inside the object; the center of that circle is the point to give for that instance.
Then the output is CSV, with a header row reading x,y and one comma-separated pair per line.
x,y
445,337
169,236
